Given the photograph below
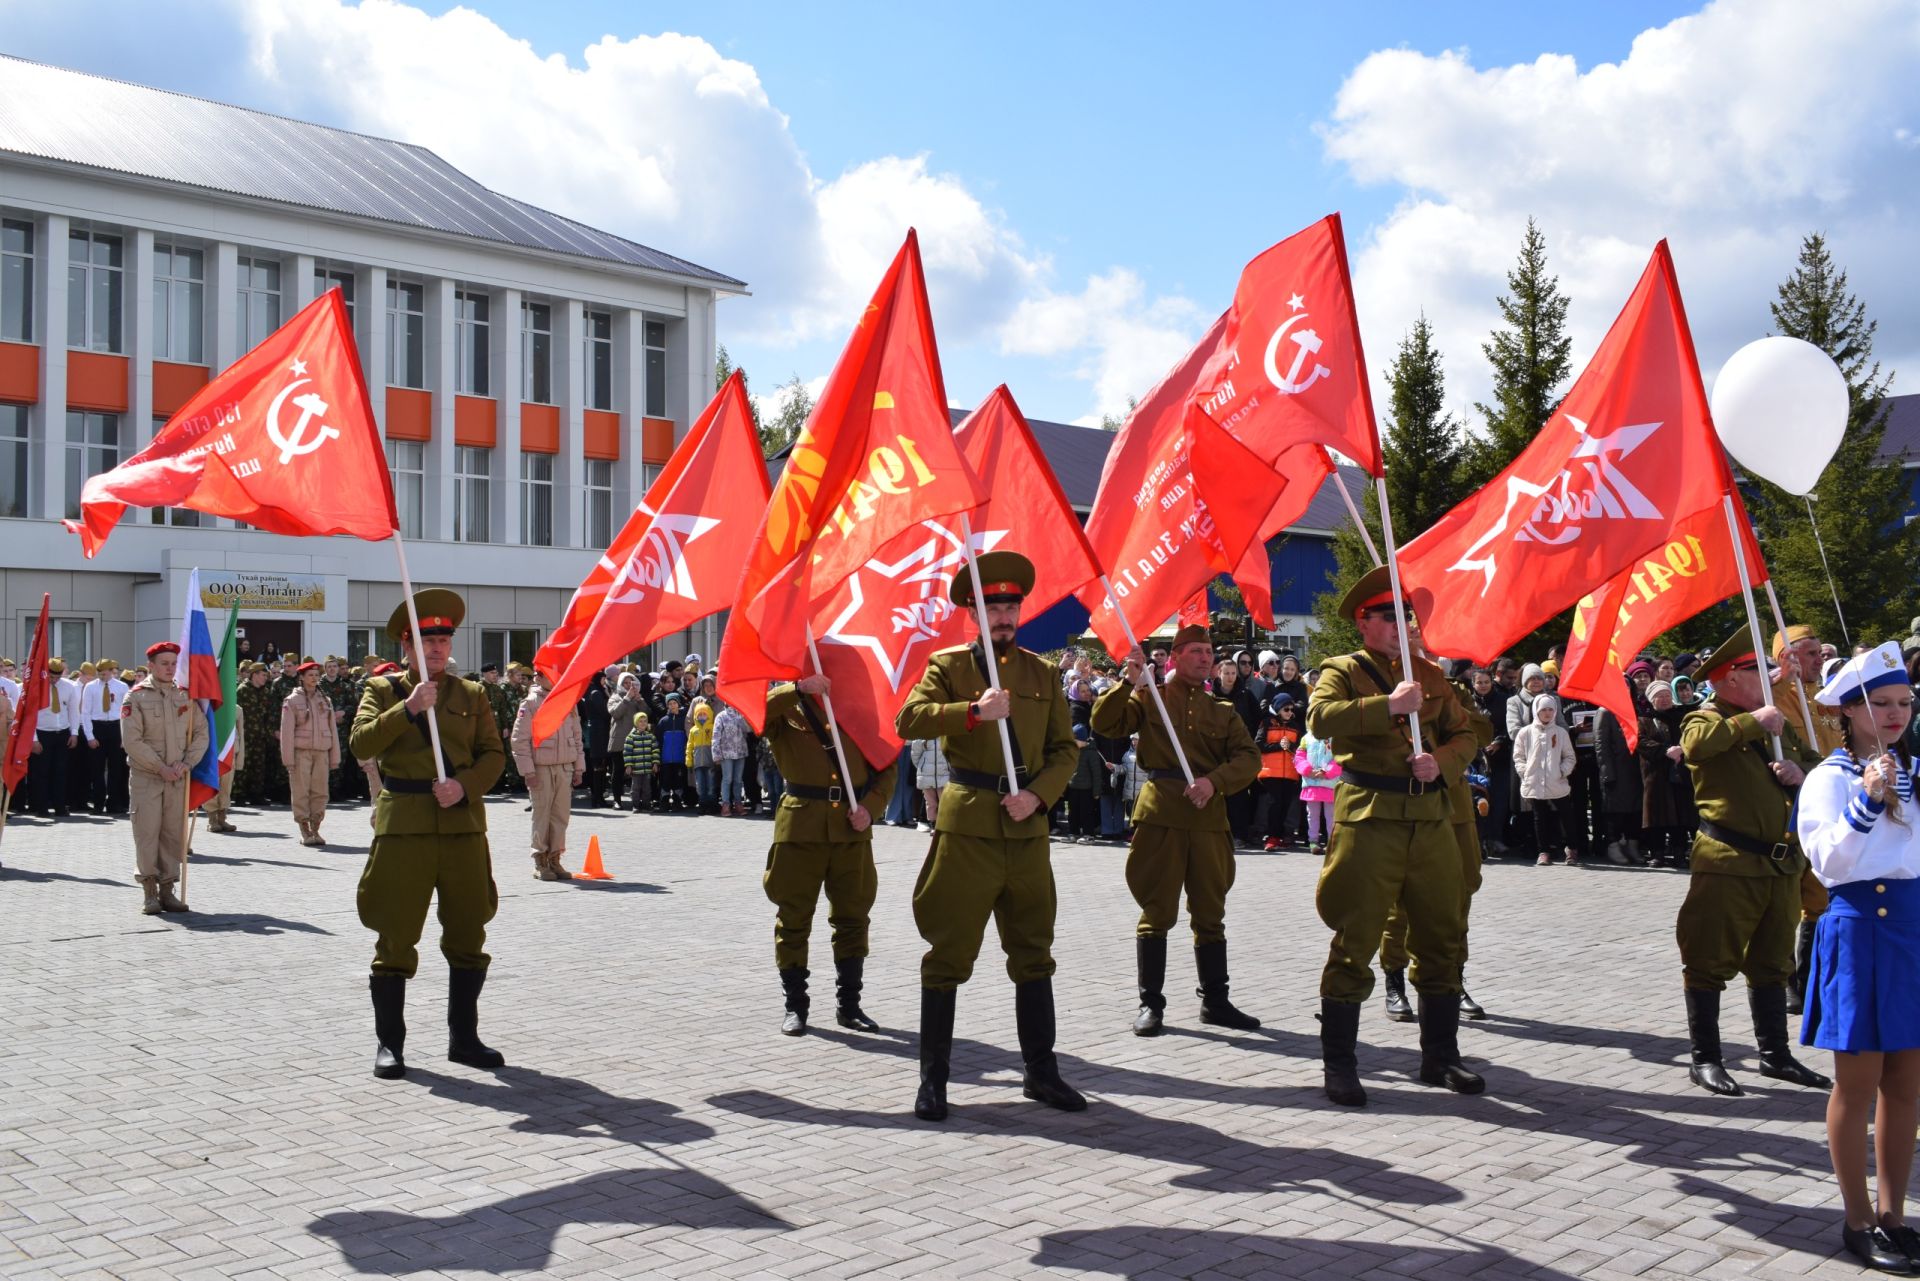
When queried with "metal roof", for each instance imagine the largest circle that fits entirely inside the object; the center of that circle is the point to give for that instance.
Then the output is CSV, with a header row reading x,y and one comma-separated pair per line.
x,y
69,116
1901,444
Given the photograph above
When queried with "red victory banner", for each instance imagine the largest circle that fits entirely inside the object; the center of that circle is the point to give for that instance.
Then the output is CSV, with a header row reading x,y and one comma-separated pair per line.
x,y
674,561
26,713
283,440
1627,467
876,458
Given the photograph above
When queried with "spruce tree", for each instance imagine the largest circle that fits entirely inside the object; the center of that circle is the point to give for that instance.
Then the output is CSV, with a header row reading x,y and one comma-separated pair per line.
x,y
723,368
1531,357
1860,502
1422,444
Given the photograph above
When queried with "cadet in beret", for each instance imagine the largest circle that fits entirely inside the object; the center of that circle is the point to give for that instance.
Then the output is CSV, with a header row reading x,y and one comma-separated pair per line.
x,y
1743,894
428,835
1393,840
164,735
990,857
1181,838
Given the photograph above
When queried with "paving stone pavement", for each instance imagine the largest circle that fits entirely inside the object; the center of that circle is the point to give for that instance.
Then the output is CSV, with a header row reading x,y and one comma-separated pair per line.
x,y
191,1096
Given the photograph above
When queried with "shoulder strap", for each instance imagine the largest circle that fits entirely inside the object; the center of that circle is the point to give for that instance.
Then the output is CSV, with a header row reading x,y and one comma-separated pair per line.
x,y
980,661
826,744
1373,673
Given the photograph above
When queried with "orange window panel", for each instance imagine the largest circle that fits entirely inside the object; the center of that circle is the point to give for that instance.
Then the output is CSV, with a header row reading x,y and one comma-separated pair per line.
x,y
656,439
409,414
174,385
600,434
96,380
19,373
475,421
540,429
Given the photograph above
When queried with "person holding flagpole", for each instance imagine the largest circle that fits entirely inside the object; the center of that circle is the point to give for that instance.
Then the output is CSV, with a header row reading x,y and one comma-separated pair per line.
x,y
163,736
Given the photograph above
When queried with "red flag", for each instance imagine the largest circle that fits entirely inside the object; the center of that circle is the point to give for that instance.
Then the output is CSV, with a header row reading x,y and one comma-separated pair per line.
x,y
1627,458
283,440
1195,611
33,700
1694,571
876,457
673,562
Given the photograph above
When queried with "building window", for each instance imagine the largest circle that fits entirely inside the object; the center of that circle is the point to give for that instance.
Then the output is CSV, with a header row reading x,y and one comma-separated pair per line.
x,y
341,278
94,291
365,642
258,300
598,359
179,306
407,462
93,446
16,281
472,342
536,500
656,341
16,462
406,333
502,645
536,353
70,639
472,494
599,502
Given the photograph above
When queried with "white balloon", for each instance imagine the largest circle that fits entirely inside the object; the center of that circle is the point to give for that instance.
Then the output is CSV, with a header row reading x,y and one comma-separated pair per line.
x,y
1780,406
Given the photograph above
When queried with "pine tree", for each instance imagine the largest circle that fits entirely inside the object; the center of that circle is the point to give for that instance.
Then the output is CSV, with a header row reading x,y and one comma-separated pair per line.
x,y
1421,447
1531,358
1860,502
1333,633
722,370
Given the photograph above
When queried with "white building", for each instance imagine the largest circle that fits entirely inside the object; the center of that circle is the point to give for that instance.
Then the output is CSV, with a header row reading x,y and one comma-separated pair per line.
x,y
529,373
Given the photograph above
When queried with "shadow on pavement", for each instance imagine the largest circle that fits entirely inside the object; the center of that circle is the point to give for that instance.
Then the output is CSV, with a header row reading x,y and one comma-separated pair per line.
x,y
562,1105
219,860
1221,1163
1143,1251
241,923
516,1234
22,874
1788,1227
620,887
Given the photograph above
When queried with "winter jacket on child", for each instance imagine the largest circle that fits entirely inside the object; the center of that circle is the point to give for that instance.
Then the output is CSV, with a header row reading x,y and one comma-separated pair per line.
x,y
641,751
1543,758
700,738
1318,770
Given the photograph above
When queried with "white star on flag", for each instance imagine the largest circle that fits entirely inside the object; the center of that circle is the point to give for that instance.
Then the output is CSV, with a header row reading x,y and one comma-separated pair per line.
x,y
299,369
927,571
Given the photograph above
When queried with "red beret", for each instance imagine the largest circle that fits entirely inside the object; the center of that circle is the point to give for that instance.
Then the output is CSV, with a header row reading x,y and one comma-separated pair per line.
x,y
164,647
304,668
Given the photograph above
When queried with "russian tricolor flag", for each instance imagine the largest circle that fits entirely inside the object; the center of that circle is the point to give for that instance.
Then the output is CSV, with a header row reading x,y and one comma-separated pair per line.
x,y
200,677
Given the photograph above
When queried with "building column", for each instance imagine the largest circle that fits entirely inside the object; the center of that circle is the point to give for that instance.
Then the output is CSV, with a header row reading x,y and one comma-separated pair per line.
x,y
630,399
505,358
440,368
223,290
137,317
299,291
569,392
47,423
370,336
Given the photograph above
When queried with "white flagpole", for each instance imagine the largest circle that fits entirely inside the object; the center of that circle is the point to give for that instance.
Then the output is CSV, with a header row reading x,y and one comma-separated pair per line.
x,y
1153,680
183,673
419,653
1399,607
833,726
1806,706
1753,613
986,647
1340,483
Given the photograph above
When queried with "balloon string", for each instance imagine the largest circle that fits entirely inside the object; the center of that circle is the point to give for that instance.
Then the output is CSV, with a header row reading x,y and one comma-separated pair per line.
x,y
1826,569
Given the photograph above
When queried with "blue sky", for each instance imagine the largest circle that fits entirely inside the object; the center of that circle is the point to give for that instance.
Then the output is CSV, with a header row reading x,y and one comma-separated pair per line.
x,y
1089,179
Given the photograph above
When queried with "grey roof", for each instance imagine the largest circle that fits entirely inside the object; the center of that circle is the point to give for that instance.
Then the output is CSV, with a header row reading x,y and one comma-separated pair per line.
x,y
80,119
1902,440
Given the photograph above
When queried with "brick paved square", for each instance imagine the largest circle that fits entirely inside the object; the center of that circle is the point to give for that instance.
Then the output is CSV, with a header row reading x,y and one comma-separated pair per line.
x,y
191,1096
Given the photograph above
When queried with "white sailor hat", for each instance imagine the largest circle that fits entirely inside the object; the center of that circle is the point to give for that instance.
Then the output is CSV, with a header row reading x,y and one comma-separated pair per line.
x,y
1863,674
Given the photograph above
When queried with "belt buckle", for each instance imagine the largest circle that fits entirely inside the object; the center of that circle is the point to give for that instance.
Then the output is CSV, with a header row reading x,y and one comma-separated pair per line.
x,y
1416,787
1779,852
1003,785
836,794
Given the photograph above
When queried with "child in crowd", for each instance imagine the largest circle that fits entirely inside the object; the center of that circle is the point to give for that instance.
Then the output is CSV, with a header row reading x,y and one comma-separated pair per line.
x,y
1083,789
1318,771
1133,779
706,778
1543,757
641,752
673,756
1279,743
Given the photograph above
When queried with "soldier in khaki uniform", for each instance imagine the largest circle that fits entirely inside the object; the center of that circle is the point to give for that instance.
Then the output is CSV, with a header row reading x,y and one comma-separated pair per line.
x,y
552,770
1181,839
989,857
1798,652
429,837
1466,835
822,839
1743,895
164,733
310,750
1393,840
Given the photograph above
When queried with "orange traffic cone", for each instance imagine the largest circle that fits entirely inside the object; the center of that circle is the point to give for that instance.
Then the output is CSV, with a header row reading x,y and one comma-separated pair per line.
x,y
594,870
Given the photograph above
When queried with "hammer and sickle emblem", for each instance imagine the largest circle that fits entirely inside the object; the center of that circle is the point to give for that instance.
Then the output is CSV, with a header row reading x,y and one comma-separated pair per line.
x,y
1308,343
311,409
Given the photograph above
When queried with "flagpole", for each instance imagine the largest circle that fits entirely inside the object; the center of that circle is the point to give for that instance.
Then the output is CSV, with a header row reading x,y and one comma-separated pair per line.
x,y
1153,682
1753,612
1399,606
186,842
833,726
1340,483
986,647
1806,707
419,652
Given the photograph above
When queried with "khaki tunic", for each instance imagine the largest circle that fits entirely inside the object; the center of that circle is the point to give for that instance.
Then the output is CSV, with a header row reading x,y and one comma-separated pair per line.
x,y
815,847
981,863
1828,734
1740,910
1466,835
1176,846
420,849
1390,847
309,748
553,765
161,726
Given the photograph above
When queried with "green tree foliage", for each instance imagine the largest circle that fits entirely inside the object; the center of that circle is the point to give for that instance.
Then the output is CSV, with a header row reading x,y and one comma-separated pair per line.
x,y
1114,422
796,405
1531,357
1859,502
1422,443
723,368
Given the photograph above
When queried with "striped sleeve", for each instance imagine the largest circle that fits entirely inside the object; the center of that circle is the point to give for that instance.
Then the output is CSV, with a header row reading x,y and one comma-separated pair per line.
x,y
1835,820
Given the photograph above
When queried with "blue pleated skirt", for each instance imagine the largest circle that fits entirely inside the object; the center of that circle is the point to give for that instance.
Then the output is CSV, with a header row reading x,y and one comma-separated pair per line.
x,y
1863,992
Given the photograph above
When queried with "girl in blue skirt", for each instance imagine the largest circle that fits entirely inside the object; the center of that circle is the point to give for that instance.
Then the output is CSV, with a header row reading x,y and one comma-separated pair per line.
x,y
1858,824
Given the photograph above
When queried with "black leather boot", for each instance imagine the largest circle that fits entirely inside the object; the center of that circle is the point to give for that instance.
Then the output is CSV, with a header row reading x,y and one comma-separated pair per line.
x,y
1340,1067
848,971
1802,965
1708,1072
1211,960
936,1050
1440,1045
1033,1017
794,980
1469,1008
1399,1010
1150,964
1769,1006
463,1021
389,1024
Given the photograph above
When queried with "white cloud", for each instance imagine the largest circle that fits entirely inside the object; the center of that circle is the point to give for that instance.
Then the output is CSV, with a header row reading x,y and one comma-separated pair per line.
x,y
1732,133
1123,340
